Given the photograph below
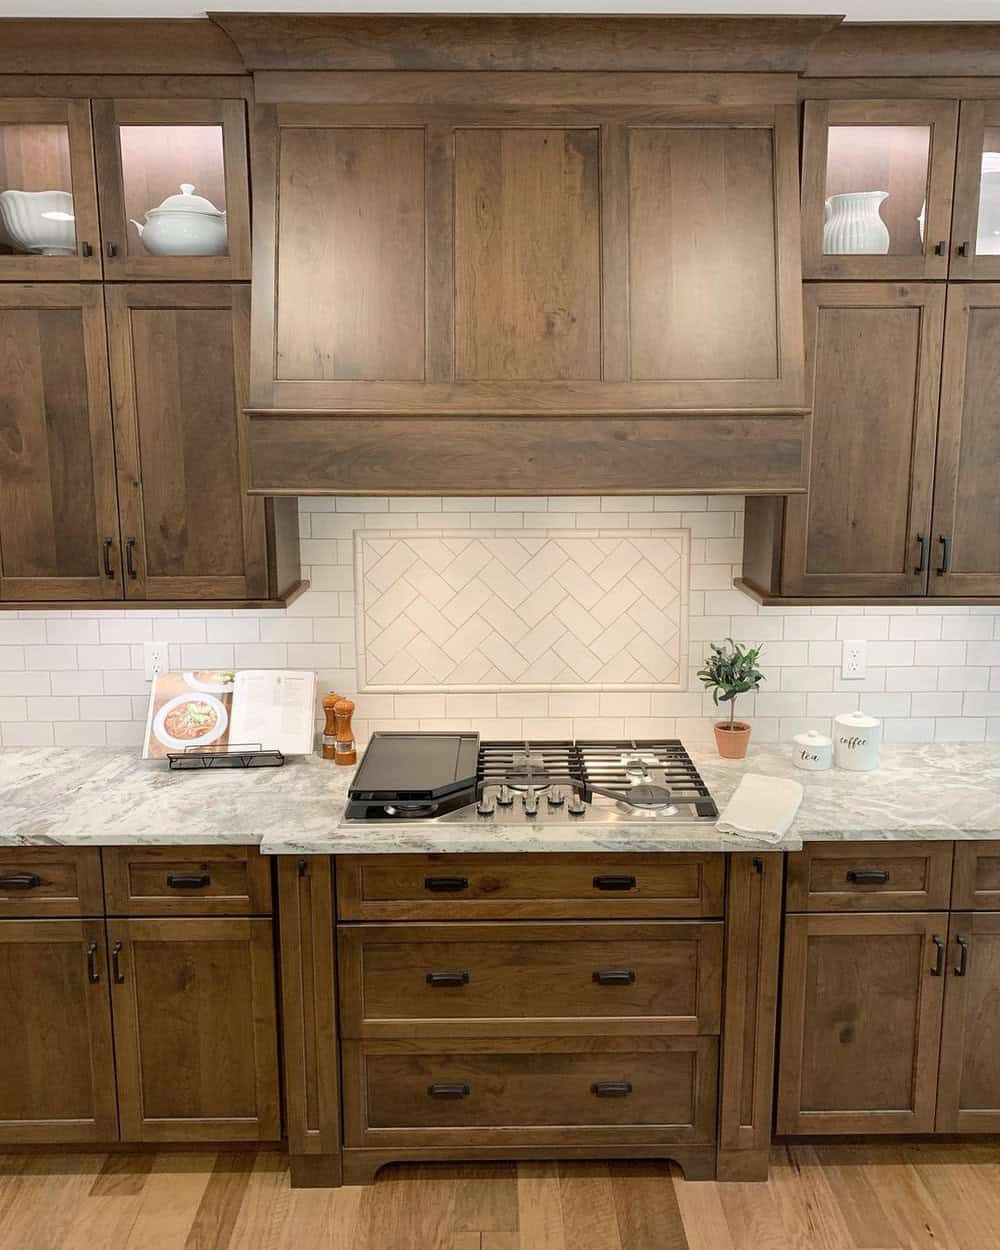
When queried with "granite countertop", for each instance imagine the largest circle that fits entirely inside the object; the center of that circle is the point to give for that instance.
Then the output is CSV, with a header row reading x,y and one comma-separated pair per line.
x,y
96,797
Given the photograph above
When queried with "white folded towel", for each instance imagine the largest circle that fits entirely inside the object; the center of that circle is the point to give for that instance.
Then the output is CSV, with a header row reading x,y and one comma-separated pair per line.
x,y
761,807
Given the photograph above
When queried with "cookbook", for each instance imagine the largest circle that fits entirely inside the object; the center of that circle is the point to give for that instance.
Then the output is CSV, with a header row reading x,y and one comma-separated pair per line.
x,y
226,709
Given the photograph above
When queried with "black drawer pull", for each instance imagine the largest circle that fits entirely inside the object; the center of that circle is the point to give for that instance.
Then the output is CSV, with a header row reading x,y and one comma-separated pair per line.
x,y
116,964
447,978
93,976
614,883
20,881
938,967
188,880
614,976
868,876
611,1089
963,956
448,1089
446,885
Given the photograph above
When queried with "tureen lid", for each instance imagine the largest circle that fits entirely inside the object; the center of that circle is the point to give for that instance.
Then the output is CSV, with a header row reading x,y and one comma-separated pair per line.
x,y
186,202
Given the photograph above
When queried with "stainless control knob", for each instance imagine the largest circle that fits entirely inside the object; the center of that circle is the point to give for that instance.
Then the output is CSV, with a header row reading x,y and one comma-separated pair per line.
x,y
486,805
577,806
505,796
555,798
531,803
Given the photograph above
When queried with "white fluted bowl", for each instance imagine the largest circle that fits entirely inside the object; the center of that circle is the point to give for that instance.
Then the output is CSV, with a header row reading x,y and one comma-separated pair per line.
x,y
39,221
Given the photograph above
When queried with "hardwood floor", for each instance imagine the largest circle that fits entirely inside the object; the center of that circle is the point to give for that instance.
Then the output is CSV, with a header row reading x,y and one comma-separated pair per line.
x,y
882,1197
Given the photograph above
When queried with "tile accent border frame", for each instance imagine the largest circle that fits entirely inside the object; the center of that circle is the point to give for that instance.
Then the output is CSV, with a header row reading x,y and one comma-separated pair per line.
x,y
629,620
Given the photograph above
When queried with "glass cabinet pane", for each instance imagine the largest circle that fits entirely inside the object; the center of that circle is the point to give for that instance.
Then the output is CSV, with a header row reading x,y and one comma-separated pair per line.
x,y
876,190
988,229
175,190
37,216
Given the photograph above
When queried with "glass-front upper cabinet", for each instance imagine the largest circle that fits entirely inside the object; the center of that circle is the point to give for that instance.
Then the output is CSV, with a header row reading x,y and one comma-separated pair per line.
x,y
173,188
48,198
877,188
976,250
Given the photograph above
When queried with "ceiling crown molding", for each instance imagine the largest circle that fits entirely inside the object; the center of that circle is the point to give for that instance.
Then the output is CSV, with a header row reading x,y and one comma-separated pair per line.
x,y
907,50
128,45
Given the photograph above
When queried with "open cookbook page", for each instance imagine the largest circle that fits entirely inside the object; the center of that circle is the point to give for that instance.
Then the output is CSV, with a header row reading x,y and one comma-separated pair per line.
x,y
219,709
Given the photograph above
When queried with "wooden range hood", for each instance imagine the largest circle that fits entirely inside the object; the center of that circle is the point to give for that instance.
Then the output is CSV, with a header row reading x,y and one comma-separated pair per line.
x,y
526,255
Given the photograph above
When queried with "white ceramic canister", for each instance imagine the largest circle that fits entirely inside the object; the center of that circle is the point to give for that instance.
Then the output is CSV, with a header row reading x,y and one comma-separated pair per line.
x,y
856,741
813,751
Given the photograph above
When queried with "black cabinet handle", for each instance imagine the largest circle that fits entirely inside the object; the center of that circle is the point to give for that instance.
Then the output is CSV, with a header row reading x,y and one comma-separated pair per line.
x,y
614,976
116,968
111,249
446,885
868,876
611,1089
448,1089
20,881
945,565
188,880
130,558
938,967
922,565
614,883
438,979
86,250
109,572
964,248
92,974
941,249
963,956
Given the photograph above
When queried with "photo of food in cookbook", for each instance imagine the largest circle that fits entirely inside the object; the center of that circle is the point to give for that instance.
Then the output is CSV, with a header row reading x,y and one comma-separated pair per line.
x,y
219,709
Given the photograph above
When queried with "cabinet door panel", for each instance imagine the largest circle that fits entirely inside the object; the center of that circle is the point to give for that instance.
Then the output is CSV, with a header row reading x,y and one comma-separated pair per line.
x,y
969,1095
58,508
179,359
861,1023
976,251
874,357
57,1079
701,211
966,555
195,1029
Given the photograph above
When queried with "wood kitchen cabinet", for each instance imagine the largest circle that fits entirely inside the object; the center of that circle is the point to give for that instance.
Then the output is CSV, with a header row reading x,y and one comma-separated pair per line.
x,y
969,1083
976,231
58,506
861,1022
495,249
57,1079
195,1029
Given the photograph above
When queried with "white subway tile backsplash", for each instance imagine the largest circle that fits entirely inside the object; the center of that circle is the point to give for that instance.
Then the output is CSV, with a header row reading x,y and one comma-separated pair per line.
x,y
933,671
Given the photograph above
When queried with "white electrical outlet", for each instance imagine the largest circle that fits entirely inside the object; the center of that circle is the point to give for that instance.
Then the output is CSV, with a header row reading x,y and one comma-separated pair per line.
x,y
154,659
854,659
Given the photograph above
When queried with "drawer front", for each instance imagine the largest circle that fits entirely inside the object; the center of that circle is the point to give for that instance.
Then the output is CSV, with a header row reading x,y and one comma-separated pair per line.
x,y
869,876
196,881
50,881
530,979
977,876
527,887
613,1091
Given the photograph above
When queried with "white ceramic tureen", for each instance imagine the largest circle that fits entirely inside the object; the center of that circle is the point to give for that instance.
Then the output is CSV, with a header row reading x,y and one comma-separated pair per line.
x,y
184,225
39,221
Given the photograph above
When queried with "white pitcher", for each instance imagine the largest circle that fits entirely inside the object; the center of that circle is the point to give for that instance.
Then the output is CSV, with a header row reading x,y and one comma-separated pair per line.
x,y
853,226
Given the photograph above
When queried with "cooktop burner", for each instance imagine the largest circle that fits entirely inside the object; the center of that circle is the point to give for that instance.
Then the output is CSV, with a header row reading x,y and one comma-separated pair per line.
x,y
405,776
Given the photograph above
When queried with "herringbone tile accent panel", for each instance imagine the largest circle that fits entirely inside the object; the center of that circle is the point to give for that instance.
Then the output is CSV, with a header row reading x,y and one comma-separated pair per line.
x,y
522,610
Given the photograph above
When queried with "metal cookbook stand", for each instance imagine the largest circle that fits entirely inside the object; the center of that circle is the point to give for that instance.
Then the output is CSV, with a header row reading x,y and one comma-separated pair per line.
x,y
243,755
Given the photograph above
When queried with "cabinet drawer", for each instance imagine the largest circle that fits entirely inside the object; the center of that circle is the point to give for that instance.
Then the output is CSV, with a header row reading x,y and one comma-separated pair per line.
x,y
530,979
526,887
867,876
607,1091
196,881
50,881
977,876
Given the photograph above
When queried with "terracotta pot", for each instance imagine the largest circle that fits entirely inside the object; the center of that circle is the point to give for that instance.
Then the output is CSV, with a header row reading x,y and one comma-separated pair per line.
x,y
732,740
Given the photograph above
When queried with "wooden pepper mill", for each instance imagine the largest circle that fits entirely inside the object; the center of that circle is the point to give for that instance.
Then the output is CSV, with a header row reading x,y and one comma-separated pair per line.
x,y
330,701
344,750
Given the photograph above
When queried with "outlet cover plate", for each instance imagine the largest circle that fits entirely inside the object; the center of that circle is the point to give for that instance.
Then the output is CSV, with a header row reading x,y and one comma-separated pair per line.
x,y
854,660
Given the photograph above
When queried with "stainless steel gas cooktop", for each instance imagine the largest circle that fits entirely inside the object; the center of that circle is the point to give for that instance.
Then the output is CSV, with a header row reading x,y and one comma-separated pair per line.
x,y
450,778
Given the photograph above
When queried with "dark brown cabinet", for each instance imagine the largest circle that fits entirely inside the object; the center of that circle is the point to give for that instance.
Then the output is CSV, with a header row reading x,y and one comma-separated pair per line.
x,y
195,1029
969,1089
57,1080
861,1023
58,506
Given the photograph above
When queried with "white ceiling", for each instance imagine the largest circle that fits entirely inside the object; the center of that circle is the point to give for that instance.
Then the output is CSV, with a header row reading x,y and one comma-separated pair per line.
x,y
855,10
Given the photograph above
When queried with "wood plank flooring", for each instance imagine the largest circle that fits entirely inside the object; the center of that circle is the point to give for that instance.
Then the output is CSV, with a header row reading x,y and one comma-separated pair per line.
x,y
883,1197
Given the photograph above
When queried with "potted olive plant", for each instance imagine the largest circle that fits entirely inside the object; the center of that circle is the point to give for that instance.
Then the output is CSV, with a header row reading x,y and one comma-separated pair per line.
x,y
731,670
